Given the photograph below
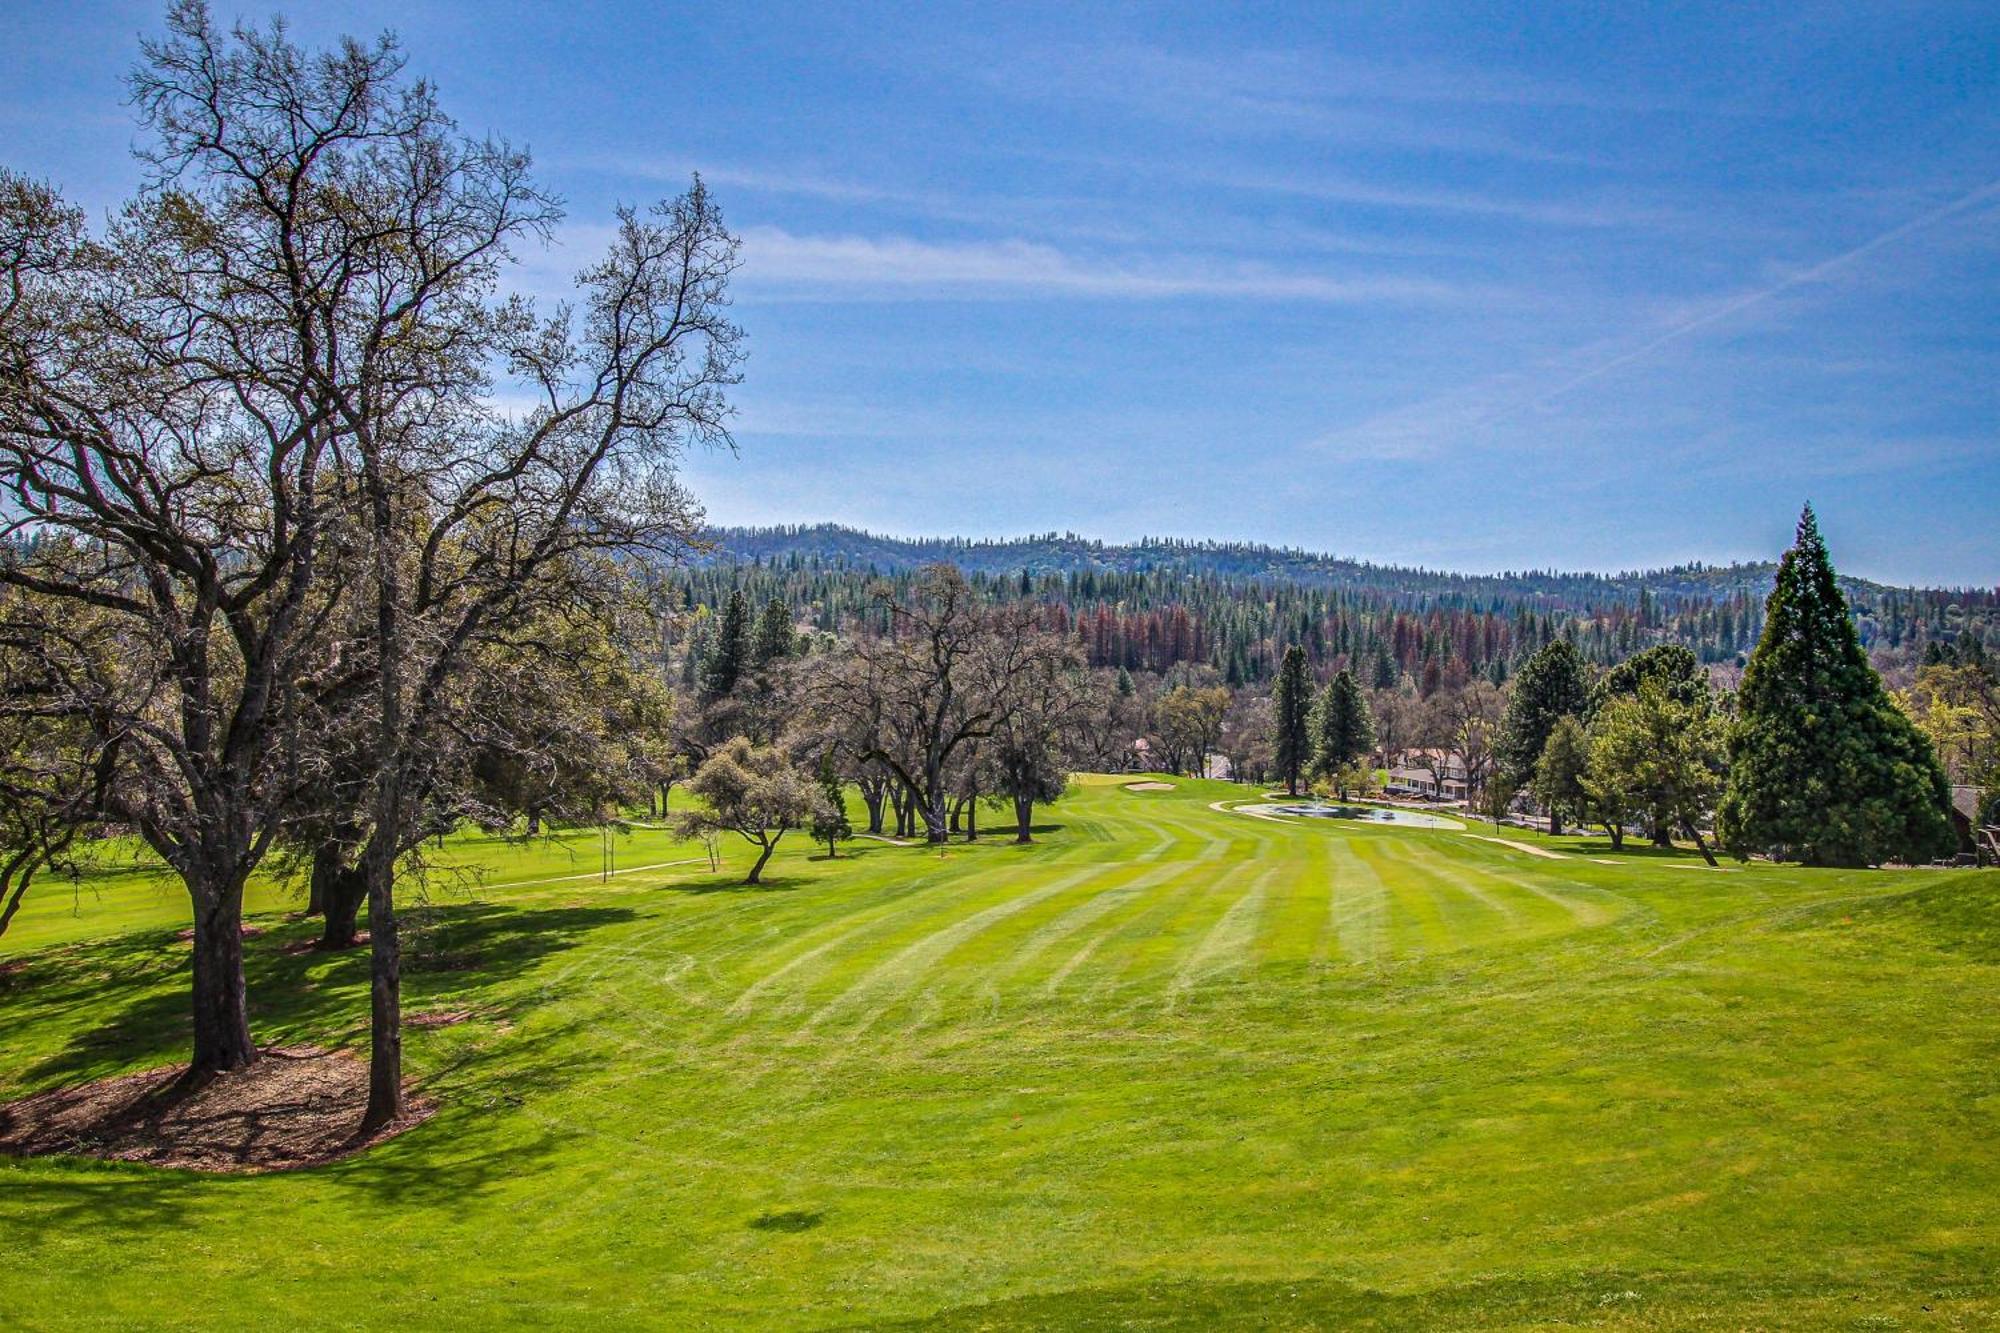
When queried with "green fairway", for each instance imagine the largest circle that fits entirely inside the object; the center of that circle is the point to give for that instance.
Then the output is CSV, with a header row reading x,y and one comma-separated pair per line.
x,y
1171,1066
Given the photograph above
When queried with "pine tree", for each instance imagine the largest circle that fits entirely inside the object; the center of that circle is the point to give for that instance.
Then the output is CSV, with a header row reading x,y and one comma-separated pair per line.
x,y
1677,669
1291,709
1558,783
1344,731
774,638
1385,669
1551,685
1664,755
1823,767
727,654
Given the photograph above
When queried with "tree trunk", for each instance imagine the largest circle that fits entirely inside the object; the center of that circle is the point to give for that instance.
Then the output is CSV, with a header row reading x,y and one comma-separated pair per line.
x,y
1617,832
1555,821
1024,810
871,796
763,856
971,819
956,808
340,890
221,1006
1700,845
534,823
385,993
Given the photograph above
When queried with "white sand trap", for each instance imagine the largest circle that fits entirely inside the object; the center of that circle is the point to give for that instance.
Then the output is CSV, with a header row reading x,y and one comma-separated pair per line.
x,y
1606,861
1529,848
1149,786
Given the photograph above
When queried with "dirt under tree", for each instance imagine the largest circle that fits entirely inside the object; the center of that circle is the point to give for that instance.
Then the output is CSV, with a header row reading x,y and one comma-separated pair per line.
x,y
297,1106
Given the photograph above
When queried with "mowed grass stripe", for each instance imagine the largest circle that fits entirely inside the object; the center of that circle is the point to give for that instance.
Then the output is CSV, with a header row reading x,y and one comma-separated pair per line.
x,y
1229,943
1143,970
967,974
1581,905
1356,928
1296,901
917,950
1110,950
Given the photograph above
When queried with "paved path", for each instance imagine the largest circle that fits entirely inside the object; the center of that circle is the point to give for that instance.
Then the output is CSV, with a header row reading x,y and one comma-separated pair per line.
x,y
1527,847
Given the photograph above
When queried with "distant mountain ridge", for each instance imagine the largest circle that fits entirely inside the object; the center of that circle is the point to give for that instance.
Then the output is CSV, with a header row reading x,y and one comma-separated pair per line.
x,y
1067,553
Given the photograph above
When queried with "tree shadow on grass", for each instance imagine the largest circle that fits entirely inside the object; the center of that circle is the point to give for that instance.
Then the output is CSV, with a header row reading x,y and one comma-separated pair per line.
x,y
296,995
727,883
56,1199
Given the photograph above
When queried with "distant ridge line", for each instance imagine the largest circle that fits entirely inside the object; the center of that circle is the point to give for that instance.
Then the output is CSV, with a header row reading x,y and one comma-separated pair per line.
x,y
1070,552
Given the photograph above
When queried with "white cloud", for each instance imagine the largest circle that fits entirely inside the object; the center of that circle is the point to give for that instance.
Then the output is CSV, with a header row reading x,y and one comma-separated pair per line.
x,y
904,268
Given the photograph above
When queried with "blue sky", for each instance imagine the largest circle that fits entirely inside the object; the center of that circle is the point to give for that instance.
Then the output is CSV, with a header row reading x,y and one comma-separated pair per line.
x,y
1602,286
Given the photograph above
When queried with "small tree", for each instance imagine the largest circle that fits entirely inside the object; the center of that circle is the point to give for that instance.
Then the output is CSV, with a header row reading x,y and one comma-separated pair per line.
x,y
1606,784
1664,756
755,792
829,822
1559,774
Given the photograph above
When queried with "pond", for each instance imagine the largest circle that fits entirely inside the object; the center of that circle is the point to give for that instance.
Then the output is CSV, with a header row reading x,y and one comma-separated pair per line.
x,y
1370,814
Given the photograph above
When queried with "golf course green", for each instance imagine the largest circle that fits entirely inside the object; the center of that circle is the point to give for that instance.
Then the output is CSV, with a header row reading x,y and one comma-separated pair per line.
x,y
1169,1066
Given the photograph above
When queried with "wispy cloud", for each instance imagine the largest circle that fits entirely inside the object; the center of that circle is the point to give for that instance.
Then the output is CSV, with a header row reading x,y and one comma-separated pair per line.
x,y
1407,105
1457,416
905,268
1814,273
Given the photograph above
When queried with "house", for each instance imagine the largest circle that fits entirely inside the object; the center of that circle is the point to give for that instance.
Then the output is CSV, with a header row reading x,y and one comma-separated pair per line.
x,y
1425,774
1965,814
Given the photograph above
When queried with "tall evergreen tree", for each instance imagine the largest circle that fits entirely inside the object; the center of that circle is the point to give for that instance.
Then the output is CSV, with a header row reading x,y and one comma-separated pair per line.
x,y
1385,669
731,649
1344,731
1823,767
1551,685
1291,710
773,640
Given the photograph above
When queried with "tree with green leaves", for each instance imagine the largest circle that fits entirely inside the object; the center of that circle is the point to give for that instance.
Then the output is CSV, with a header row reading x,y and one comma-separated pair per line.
x,y
774,637
730,651
1552,684
1291,708
829,821
1558,781
1823,767
755,792
1343,730
1654,755
1677,669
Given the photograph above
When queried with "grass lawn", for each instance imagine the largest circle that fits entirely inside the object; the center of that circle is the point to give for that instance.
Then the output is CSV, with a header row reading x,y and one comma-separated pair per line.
x,y
1169,1067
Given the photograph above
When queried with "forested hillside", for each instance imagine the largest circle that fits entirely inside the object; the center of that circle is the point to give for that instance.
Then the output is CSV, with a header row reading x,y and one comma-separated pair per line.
x,y
1155,604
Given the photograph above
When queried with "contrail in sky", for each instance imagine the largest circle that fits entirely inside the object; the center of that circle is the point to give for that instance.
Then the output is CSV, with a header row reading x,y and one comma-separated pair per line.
x,y
1987,191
